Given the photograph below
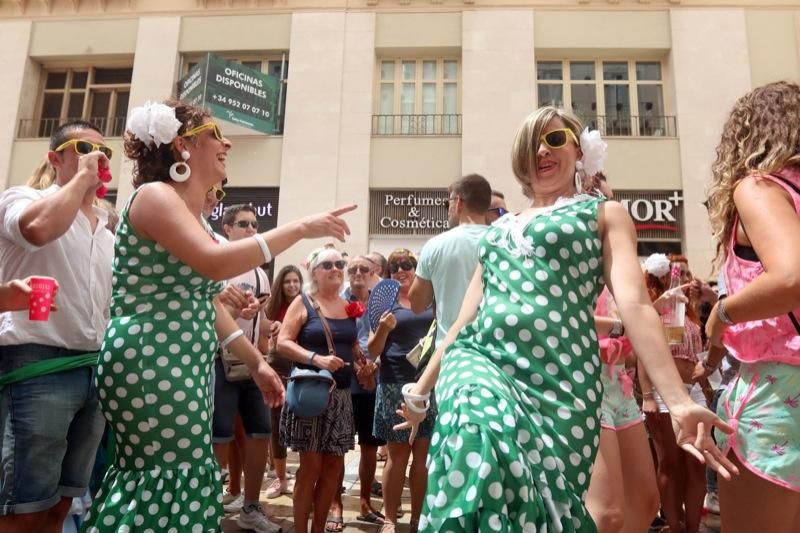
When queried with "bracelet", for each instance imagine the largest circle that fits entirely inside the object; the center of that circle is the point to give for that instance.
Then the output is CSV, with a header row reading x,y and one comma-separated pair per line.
x,y
709,367
617,329
264,248
230,338
722,314
410,398
647,394
311,356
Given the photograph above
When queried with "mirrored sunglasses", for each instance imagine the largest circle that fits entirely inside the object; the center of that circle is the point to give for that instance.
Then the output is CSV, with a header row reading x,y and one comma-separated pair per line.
x,y
499,210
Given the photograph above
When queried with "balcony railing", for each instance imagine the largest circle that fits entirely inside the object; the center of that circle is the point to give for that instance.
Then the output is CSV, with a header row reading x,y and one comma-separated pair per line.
x,y
416,124
631,125
31,128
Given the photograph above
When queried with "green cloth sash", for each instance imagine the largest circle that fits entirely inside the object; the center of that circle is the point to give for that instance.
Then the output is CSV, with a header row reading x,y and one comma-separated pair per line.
x,y
48,366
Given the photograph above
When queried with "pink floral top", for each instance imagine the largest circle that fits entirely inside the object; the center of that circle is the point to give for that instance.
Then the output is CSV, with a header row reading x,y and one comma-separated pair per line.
x,y
773,339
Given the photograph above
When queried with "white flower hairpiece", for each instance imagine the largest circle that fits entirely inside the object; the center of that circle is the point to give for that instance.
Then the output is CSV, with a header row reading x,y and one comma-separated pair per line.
x,y
657,265
595,152
154,123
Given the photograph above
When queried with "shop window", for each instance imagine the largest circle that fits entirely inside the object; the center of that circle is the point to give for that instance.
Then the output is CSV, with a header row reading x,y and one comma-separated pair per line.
x,y
96,94
619,98
418,97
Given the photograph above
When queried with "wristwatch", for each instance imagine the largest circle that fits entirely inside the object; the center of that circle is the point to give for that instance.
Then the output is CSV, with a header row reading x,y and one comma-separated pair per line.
x,y
617,330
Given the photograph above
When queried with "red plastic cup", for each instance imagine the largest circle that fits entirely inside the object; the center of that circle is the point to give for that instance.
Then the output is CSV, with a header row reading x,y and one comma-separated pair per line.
x,y
41,298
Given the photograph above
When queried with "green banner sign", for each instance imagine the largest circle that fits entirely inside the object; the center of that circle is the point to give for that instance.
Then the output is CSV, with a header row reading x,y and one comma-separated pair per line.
x,y
232,92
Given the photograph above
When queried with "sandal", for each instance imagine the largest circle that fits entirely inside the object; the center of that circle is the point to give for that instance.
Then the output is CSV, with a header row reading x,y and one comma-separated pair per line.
x,y
377,489
338,524
382,457
387,527
372,517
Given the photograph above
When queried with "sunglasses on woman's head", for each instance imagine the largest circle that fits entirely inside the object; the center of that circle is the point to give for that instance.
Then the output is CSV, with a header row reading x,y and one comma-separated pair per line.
x,y
394,268
328,265
86,147
244,223
360,268
558,138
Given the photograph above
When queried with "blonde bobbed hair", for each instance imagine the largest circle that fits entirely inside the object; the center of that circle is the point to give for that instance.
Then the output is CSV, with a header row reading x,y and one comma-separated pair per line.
x,y
528,137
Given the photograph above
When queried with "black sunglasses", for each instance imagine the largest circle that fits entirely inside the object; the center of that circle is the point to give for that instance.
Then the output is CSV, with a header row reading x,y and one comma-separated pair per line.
x,y
360,268
499,210
328,265
244,223
404,265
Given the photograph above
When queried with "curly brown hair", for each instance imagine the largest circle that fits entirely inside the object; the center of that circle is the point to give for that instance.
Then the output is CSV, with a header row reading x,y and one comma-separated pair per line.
x,y
152,163
760,137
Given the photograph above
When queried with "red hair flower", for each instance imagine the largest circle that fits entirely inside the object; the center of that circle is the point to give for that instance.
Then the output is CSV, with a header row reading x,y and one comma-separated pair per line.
x,y
355,309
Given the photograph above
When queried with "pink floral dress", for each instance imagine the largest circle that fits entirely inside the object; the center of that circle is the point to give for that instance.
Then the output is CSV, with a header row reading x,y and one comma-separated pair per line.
x,y
763,402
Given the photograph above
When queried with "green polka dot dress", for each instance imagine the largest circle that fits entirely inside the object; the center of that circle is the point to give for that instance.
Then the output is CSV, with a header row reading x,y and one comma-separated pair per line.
x,y
153,382
519,391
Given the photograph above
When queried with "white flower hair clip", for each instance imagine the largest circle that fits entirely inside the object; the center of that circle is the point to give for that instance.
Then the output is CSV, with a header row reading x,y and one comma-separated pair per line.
x,y
154,124
657,265
595,152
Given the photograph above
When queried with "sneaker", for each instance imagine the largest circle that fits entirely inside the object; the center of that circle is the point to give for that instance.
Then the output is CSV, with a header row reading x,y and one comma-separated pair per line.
x,y
232,503
711,503
255,519
277,488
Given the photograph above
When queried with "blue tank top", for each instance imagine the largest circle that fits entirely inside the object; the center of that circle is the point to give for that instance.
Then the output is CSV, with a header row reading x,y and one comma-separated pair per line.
x,y
410,329
312,337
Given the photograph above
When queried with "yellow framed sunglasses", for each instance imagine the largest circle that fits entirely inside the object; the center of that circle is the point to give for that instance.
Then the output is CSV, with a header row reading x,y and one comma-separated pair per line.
x,y
82,147
219,194
206,126
558,138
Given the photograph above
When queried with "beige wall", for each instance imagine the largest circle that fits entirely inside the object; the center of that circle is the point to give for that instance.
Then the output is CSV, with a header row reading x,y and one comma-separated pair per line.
x,y
155,69
772,45
13,62
254,161
312,136
410,31
498,53
602,32
644,163
83,38
414,162
711,67
251,32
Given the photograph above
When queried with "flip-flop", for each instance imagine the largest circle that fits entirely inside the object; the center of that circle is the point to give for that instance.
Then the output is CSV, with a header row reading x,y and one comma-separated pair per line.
x,y
338,522
372,517
382,457
377,489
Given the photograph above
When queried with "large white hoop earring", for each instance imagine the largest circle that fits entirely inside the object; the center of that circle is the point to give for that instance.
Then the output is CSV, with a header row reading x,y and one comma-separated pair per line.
x,y
179,171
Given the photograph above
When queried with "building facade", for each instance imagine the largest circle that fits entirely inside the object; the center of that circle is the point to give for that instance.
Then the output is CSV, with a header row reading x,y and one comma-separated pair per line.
x,y
383,103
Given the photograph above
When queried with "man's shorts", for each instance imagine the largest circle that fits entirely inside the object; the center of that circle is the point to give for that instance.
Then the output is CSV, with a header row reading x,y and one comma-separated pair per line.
x,y
238,397
51,427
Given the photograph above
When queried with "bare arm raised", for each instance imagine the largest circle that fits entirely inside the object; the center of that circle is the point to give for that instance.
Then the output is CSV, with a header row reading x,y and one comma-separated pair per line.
x,y
159,213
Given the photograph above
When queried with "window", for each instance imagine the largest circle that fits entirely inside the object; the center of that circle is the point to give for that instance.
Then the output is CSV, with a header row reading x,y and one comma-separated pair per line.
x,y
624,98
98,95
418,97
273,65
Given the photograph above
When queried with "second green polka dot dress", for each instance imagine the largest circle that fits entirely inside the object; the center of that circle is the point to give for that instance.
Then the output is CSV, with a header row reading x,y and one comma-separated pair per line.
x,y
519,391
153,382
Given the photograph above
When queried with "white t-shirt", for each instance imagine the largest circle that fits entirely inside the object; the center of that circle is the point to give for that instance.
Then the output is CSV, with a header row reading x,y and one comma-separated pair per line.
x,y
448,261
80,260
247,282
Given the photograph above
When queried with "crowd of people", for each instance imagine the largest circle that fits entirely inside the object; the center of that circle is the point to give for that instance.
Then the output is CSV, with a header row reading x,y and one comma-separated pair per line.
x,y
550,399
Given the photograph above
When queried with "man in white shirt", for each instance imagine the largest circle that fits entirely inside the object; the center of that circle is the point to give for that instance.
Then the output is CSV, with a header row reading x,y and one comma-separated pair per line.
x,y
51,425
243,397
447,261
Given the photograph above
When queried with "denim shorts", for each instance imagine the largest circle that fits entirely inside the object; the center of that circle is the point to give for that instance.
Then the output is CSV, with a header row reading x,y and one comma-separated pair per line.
x,y
51,427
238,397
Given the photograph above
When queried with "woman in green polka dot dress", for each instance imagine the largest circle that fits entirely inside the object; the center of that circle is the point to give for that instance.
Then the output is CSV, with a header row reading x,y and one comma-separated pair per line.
x,y
155,362
519,392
